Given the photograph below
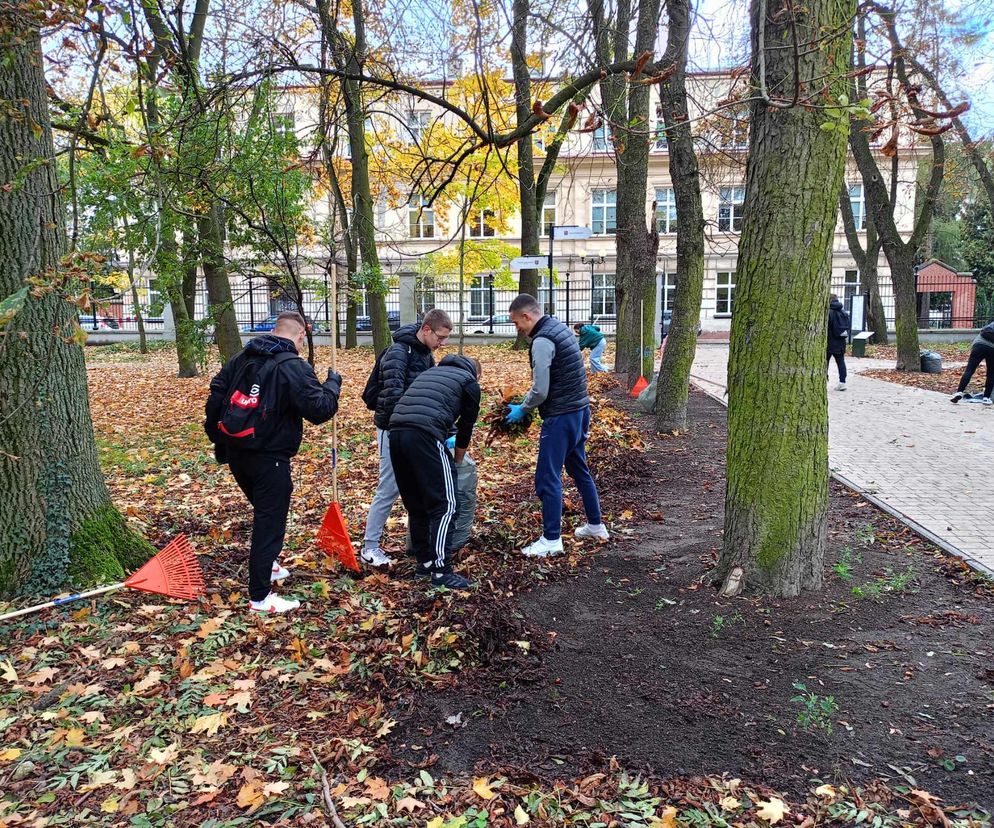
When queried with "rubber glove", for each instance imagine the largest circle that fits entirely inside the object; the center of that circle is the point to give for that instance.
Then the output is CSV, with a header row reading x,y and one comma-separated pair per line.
x,y
450,444
517,414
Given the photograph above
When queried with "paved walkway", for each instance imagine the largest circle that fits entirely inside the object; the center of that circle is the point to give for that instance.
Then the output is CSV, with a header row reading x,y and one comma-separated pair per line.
x,y
926,460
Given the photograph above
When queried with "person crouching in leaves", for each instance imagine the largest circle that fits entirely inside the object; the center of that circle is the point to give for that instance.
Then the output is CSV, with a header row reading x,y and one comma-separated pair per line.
x,y
254,417
438,399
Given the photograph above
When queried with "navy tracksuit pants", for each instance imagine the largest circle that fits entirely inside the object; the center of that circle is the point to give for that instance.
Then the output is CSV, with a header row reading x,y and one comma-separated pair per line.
x,y
562,443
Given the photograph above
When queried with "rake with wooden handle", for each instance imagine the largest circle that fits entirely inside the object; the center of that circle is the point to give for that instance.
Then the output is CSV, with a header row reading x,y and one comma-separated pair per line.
x,y
173,572
333,536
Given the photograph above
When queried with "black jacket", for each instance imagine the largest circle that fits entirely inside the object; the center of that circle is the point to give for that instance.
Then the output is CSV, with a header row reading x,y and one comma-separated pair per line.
x,y
300,395
567,375
400,365
440,398
838,327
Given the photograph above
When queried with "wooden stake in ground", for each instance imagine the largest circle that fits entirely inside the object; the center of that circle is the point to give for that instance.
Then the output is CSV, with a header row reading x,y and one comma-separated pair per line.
x,y
333,536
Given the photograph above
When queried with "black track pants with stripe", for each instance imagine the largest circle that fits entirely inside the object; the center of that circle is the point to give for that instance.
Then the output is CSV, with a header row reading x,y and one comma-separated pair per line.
x,y
426,477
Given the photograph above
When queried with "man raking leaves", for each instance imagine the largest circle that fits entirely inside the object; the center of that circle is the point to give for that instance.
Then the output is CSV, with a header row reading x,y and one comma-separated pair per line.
x,y
559,392
254,417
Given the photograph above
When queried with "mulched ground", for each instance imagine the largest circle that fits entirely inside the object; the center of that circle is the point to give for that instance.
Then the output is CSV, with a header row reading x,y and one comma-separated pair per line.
x,y
631,654
945,383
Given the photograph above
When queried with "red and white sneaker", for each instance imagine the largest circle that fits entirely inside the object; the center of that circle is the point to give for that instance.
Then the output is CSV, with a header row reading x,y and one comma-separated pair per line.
x,y
272,604
279,572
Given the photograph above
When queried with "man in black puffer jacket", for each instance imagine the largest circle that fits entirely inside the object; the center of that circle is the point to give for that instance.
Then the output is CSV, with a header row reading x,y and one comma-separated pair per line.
x,y
397,367
838,335
280,390
559,392
426,473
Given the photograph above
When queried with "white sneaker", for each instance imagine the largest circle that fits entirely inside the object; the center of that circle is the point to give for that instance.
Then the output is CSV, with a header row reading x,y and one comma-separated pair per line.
x,y
279,573
987,401
543,548
956,397
592,530
375,557
840,387
273,604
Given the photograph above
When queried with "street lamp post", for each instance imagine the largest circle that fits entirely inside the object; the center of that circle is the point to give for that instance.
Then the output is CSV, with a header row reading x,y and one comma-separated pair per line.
x,y
592,260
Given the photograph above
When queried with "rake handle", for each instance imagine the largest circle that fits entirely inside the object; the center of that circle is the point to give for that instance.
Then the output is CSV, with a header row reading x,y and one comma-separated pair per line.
x,y
57,602
334,367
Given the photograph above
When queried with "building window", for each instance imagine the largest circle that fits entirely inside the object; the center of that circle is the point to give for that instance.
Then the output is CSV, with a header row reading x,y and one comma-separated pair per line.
x,y
480,297
602,296
284,124
665,210
659,131
733,130
417,125
381,214
600,138
725,298
858,203
424,294
548,213
483,224
421,218
851,285
669,290
604,212
730,208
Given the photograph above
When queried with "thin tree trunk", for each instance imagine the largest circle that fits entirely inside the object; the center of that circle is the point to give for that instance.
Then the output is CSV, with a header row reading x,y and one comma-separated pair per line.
x,y
220,307
777,459
866,263
55,502
135,302
673,384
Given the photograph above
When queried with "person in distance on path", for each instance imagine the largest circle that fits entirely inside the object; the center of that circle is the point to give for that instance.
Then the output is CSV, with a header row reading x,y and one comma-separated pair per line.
x,y
982,350
559,392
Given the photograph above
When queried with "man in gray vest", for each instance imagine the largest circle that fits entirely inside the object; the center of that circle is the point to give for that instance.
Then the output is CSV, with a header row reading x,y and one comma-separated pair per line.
x,y
559,392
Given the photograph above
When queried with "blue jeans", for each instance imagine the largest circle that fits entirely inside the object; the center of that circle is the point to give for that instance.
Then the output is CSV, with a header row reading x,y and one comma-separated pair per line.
x,y
595,357
562,442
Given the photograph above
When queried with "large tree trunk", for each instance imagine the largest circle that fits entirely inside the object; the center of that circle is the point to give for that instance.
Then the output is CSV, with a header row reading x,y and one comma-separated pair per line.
x,y
673,384
902,273
777,461
220,308
56,520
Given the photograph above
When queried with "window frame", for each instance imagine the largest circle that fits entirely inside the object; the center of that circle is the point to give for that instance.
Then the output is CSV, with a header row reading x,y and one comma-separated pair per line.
x,y
671,216
602,291
726,201
729,285
606,206
416,215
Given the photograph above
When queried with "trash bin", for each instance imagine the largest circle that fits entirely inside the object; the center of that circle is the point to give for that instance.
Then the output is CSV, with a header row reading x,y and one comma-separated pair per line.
x,y
931,362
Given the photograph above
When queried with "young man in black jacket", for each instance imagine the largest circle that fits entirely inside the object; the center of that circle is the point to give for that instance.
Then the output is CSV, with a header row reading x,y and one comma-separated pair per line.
x,y
396,369
838,335
426,473
285,385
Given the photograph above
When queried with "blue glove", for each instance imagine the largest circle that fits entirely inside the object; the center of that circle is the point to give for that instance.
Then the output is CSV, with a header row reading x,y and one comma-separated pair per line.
x,y
451,442
517,414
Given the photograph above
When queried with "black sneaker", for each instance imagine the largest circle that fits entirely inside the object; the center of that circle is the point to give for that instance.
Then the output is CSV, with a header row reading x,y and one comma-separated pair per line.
x,y
956,397
450,580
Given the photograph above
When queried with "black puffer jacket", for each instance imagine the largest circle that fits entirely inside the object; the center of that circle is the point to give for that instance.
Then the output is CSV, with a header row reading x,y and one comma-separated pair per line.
x,y
399,367
838,327
299,395
567,374
440,398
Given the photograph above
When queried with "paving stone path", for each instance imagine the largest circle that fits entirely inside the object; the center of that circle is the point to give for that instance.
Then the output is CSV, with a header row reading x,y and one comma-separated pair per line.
x,y
924,459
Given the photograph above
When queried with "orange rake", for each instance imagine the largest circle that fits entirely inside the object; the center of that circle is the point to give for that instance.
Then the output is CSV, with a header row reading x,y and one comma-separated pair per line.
x,y
173,572
333,536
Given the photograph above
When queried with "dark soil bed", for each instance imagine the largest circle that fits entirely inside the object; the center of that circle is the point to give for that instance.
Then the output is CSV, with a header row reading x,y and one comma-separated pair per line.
x,y
945,382
631,654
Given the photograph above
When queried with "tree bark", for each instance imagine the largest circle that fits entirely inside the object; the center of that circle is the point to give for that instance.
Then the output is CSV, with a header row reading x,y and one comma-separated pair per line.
x,y
54,494
673,383
777,459
220,307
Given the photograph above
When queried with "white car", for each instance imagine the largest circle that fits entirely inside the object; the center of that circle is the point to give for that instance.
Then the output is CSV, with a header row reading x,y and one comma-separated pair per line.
x,y
500,322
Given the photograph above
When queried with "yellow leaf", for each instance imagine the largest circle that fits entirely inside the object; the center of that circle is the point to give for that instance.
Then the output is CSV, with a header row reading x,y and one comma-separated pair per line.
x,y
74,737
112,662
147,683
481,787
385,727
164,756
377,788
437,822
210,724
730,803
43,676
409,804
7,671
250,795
241,700
521,816
827,791
128,780
110,805
667,819
773,810
275,788
99,779
10,754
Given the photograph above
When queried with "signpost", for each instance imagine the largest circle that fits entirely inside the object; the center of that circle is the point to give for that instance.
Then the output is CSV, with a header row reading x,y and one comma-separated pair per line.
x,y
527,263
562,231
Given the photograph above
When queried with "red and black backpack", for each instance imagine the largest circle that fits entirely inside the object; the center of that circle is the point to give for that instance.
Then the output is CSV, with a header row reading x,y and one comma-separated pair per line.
x,y
252,407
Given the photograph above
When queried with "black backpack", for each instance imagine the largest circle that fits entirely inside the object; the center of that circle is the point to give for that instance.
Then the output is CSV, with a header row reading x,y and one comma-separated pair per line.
x,y
250,413
371,393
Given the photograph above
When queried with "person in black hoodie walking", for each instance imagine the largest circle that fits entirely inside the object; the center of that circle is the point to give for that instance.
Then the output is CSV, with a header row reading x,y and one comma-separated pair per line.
x,y
397,367
281,390
838,334
426,473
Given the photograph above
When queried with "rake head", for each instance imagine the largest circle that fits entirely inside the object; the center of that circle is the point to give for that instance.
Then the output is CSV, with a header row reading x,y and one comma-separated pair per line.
x,y
333,538
173,572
